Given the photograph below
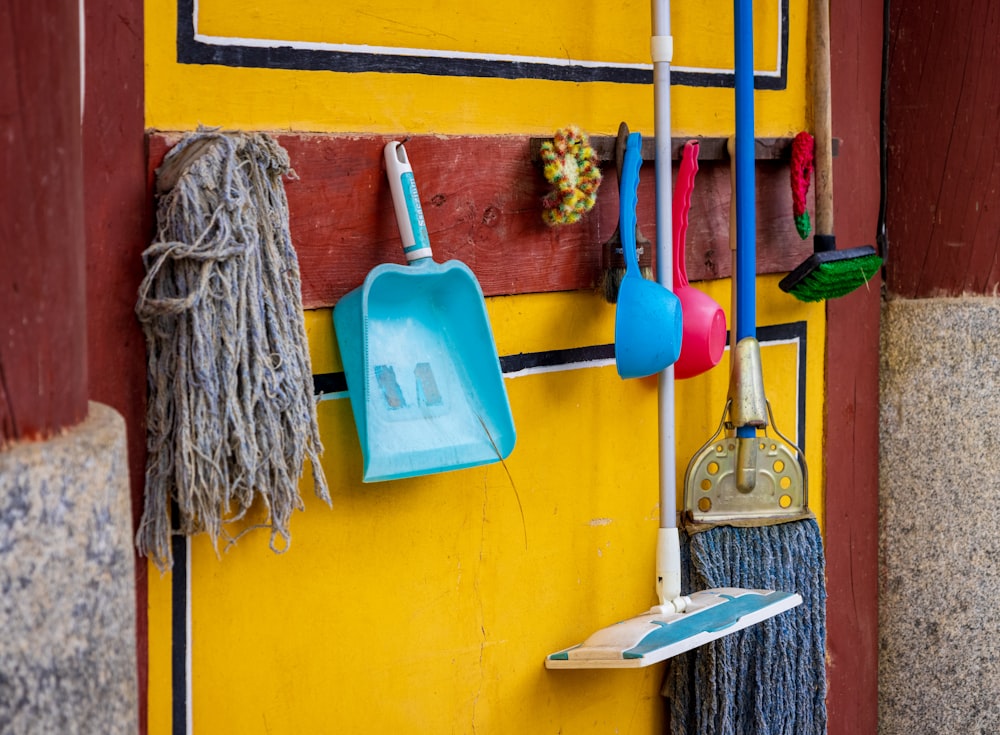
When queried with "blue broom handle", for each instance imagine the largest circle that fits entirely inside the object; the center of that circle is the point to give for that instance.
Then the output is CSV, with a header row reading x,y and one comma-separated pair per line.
x,y
746,221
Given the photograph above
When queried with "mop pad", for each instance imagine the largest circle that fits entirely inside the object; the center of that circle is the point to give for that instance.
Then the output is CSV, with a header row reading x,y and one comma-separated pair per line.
x,y
230,415
768,679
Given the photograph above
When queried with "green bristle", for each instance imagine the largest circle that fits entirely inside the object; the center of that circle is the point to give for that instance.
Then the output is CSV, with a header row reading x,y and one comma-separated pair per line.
x,y
837,278
803,225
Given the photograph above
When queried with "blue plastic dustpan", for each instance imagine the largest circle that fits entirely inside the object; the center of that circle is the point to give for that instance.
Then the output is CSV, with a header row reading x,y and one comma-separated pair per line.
x,y
423,375
648,324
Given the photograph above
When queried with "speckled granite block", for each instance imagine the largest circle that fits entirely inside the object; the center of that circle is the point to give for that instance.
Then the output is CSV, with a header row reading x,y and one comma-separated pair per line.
x,y
67,590
939,582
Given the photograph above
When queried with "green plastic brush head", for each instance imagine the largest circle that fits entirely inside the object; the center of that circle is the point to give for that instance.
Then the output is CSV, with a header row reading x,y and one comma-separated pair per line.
x,y
832,274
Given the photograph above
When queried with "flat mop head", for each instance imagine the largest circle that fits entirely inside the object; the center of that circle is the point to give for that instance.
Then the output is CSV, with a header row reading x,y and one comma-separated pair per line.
x,y
832,274
654,637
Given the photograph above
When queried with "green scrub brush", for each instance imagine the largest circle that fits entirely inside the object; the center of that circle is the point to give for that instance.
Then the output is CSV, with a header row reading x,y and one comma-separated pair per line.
x,y
828,273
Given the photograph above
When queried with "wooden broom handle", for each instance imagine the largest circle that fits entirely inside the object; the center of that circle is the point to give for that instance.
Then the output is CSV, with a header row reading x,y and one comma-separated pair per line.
x,y
822,126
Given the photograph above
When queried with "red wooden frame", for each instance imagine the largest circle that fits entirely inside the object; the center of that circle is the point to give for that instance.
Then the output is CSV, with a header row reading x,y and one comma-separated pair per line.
x,y
482,202
491,221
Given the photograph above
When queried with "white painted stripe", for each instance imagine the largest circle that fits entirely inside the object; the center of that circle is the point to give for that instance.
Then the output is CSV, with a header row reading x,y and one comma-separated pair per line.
x,y
564,367
408,51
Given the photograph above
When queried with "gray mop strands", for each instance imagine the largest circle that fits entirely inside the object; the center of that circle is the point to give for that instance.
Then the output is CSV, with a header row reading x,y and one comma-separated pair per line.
x,y
769,679
230,414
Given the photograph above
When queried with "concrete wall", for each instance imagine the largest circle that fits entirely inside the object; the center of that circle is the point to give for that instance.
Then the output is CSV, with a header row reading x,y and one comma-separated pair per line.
x,y
67,595
939,667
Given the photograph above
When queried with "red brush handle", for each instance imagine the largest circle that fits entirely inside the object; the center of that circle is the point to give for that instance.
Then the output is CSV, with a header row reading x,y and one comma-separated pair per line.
x,y
682,204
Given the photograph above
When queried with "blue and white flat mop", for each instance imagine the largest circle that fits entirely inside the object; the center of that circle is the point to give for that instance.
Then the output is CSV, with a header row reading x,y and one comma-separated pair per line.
x,y
678,623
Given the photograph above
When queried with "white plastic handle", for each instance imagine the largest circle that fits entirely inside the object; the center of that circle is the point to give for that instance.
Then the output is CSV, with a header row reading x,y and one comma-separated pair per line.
x,y
668,573
406,203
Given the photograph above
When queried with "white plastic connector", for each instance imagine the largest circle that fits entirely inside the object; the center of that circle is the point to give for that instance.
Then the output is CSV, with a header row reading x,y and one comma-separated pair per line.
x,y
661,48
668,573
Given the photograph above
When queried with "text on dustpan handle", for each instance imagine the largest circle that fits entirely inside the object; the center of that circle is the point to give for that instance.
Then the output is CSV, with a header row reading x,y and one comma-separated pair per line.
x,y
406,203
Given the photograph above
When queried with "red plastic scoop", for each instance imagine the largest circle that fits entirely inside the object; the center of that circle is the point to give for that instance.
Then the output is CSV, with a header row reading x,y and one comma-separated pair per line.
x,y
703,339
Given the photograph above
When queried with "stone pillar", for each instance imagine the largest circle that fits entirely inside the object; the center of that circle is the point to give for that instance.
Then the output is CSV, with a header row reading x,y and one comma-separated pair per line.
x,y
67,589
67,571
939,539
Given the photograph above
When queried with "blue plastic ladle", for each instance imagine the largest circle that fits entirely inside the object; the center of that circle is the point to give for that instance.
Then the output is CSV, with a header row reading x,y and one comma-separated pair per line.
x,y
648,324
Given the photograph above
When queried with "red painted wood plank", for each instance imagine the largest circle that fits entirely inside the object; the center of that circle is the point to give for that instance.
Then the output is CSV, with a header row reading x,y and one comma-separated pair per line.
x,y
943,176
482,202
43,369
972,158
852,365
118,226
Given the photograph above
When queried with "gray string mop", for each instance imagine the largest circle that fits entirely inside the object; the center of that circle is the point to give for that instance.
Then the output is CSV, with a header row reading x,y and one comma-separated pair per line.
x,y
230,415
768,679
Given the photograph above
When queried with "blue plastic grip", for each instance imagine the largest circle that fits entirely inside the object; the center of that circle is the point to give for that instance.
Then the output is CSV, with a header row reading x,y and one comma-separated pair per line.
x,y
628,192
416,214
746,219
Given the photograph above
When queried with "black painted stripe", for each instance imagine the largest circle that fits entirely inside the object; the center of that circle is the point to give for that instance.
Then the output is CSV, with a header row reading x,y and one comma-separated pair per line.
x,y
329,383
555,358
326,383
192,51
178,630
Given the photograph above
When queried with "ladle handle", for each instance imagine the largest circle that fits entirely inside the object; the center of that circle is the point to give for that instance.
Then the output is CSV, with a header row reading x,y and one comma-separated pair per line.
x,y
682,204
406,203
629,193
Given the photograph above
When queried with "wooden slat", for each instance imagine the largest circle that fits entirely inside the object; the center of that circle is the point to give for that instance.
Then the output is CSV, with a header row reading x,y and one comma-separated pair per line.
x,y
850,428
117,229
43,347
710,148
482,201
943,215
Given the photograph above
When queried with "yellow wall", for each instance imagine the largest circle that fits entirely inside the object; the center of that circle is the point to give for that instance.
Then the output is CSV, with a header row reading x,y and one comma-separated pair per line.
x,y
179,97
427,605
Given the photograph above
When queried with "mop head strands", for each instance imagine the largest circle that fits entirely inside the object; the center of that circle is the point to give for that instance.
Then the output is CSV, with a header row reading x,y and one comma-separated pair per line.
x,y
832,273
769,678
230,415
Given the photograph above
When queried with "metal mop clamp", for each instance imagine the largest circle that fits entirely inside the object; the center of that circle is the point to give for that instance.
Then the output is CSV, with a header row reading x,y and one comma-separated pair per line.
x,y
743,475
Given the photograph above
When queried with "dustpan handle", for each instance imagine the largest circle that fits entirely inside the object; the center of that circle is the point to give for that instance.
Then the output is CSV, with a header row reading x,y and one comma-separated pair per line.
x,y
406,203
